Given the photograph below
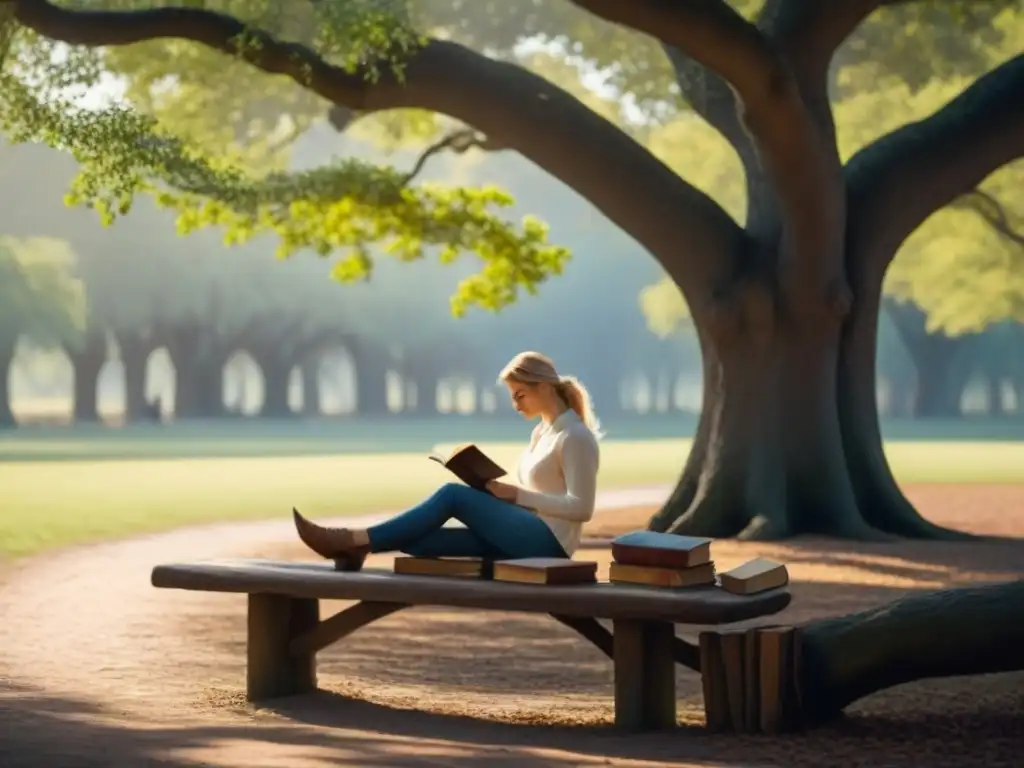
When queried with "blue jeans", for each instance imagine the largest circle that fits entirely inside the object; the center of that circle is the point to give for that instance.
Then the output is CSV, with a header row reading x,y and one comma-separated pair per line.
x,y
495,529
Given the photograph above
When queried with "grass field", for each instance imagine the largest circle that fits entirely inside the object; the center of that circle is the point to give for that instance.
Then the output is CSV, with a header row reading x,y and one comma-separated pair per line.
x,y
61,487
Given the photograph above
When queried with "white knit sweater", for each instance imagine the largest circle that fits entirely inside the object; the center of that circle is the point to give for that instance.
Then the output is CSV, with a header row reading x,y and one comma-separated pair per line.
x,y
558,477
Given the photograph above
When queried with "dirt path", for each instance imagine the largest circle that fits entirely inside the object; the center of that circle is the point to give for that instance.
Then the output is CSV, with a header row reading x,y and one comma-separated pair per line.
x,y
99,669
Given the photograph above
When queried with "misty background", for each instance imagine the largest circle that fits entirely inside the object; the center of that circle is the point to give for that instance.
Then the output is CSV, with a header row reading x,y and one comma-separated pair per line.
x,y
187,328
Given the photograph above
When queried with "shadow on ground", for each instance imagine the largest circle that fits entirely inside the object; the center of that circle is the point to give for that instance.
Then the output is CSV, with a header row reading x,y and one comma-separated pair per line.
x,y
995,511
449,687
328,729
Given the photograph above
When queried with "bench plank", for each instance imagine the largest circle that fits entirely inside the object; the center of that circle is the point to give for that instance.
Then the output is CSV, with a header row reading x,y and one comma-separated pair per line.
x,y
698,605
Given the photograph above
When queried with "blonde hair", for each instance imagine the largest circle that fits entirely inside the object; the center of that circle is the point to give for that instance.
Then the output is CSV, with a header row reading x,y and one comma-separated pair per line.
x,y
535,368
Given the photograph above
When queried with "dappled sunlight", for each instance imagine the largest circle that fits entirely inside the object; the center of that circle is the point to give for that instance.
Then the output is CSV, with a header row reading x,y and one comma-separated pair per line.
x,y
244,753
335,222
448,686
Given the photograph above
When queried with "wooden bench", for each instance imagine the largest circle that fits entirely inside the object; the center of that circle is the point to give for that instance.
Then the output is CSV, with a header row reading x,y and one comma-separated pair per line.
x,y
285,631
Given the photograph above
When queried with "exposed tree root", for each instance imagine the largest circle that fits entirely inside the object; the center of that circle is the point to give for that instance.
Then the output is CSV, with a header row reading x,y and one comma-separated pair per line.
x,y
763,528
774,679
954,632
886,508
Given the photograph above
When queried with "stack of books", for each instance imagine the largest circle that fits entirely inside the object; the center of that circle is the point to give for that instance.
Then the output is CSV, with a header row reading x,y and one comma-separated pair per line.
x,y
661,560
669,561
644,558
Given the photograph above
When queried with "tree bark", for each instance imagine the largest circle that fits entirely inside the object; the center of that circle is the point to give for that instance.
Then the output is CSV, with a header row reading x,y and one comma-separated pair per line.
x,y
135,350
966,631
8,347
198,388
87,361
878,495
371,383
768,458
312,407
198,371
276,379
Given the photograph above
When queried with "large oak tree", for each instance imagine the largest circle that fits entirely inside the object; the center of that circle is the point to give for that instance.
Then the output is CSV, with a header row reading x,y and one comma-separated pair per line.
x,y
786,306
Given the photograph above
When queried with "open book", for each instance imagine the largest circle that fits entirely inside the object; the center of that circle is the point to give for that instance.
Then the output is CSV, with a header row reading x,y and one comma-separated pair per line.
x,y
471,465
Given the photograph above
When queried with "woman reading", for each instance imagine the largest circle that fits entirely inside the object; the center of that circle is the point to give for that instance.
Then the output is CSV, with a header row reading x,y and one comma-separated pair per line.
x,y
541,515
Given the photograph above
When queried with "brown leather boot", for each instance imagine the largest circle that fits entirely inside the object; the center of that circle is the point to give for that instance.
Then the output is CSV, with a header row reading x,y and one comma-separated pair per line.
x,y
335,544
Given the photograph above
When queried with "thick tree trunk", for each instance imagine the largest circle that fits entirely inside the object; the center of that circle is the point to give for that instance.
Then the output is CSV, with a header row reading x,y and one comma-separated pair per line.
x,y
199,359
198,387
789,440
878,496
276,378
967,631
312,406
7,350
87,361
135,352
371,383
135,406
767,461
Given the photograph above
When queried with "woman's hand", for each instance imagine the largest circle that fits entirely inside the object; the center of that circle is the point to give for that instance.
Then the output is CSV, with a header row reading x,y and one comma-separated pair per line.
x,y
503,491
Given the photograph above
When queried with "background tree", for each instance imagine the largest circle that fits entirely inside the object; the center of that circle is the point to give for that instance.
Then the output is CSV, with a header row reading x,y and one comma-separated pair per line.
x,y
789,301
957,274
42,303
786,308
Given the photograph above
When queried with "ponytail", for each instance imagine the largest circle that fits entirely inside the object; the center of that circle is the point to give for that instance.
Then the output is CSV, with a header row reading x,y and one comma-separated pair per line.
x,y
576,396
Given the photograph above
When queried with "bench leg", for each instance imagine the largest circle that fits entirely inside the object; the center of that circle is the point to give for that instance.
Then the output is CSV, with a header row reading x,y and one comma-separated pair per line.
x,y
645,678
272,669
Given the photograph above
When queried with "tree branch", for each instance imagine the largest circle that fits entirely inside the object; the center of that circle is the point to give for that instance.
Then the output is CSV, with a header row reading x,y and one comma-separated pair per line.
x,y
992,211
808,33
799,160
680,225
711,97
459,142
898,181
714,100
712,33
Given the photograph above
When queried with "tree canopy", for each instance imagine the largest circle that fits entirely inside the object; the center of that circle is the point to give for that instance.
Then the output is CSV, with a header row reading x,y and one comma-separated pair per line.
x,y
346,207
210,134
42,299
963,266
